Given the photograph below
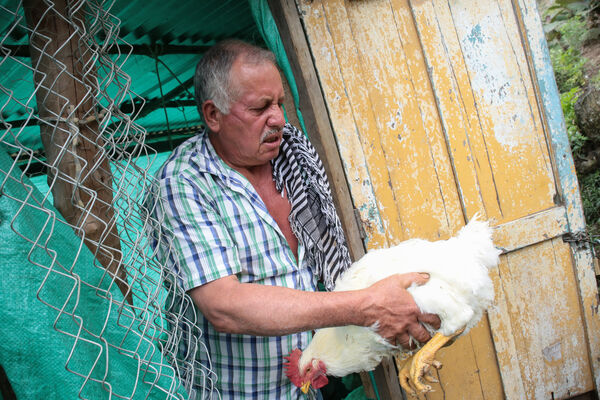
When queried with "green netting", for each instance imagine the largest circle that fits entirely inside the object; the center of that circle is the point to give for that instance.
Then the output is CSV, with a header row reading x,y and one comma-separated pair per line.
x,y
127,184
57,331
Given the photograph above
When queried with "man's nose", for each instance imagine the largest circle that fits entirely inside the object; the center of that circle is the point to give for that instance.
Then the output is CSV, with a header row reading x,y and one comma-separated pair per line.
x,y
276,118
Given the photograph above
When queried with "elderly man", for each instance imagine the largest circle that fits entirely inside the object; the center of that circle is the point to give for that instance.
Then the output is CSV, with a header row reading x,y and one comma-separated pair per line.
x,y
247,209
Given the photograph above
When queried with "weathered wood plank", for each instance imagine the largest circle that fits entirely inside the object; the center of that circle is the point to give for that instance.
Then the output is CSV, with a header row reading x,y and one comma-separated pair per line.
x,y
344,71
82,186
346,125
405,145
546,322
456,108
487,106
537,325
504,340
423,93
501,86
532,229
547,93
320,132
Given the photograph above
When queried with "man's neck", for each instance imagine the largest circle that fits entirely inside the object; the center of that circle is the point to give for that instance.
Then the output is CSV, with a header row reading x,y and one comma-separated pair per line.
x,y
257,175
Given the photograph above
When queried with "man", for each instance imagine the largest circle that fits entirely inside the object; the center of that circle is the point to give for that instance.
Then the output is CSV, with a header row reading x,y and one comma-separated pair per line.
x,y
247,211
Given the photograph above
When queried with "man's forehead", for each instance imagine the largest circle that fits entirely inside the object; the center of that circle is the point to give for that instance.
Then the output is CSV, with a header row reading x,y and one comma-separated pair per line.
x,y
243,66
243,76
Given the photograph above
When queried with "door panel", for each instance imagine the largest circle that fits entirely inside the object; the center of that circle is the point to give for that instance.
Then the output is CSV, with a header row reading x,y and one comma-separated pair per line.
x,y
437,117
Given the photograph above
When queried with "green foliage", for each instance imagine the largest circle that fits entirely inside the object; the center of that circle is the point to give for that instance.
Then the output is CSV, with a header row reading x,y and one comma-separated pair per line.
x,y
568,68
567,101
565,23
590,194
566,33
573,32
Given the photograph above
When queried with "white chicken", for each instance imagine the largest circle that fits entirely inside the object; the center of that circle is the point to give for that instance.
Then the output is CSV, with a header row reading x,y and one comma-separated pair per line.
x,y
459,291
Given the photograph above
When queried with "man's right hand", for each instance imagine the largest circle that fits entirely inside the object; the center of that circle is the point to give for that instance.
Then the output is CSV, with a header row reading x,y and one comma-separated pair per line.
x,y
394,309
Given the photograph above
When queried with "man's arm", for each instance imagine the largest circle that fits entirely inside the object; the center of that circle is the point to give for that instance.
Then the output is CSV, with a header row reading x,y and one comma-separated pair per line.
x,y
254,309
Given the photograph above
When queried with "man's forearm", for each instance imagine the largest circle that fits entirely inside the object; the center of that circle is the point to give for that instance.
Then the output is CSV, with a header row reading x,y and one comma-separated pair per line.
x,y
262,310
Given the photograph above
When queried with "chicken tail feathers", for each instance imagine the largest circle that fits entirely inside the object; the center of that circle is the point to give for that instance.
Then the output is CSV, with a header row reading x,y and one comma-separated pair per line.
x,y
477,235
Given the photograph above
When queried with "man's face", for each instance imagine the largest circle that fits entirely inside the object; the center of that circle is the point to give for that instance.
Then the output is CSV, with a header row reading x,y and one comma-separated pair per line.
x,y
250,134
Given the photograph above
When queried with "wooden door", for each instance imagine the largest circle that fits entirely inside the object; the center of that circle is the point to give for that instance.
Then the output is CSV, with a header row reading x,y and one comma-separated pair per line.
x,y
444,109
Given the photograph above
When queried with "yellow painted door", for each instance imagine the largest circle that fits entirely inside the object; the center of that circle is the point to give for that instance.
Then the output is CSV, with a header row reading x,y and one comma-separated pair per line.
x,y
441,110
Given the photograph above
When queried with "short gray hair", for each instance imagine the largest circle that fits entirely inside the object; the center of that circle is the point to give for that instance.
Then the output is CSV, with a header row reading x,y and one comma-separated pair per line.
x,y
212,80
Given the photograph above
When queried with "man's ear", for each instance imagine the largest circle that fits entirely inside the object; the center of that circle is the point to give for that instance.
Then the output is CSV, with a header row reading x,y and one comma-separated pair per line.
x,y
212,116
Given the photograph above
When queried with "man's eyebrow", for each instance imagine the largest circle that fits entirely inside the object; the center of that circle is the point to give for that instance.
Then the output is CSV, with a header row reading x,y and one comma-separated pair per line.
x,y
268,99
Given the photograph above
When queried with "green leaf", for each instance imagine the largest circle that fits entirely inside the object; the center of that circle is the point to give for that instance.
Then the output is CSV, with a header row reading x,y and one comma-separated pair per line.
x,y
578,7
565,3
552,26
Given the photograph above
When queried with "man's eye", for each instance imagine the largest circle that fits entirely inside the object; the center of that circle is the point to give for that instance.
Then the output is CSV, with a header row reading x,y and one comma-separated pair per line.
x,y
261,109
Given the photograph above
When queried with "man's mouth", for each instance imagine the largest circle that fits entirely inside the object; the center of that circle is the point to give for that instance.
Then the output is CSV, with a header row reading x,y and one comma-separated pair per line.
x,y
270,137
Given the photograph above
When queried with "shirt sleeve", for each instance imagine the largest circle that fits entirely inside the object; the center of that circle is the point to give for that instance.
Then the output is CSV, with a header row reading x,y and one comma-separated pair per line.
x,y
196,239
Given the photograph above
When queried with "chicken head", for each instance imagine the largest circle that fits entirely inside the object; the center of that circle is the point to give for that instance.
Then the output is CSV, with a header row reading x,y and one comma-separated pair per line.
x,y
310,375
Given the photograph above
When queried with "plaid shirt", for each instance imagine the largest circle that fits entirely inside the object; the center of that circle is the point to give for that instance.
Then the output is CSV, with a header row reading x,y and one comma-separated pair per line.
x,y
219,226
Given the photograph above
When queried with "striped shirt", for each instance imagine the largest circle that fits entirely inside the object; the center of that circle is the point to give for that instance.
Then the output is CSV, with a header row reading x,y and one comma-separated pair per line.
x,y
219,226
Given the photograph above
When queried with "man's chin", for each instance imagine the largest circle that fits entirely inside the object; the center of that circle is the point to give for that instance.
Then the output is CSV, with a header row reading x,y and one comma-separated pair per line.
x,y
271,154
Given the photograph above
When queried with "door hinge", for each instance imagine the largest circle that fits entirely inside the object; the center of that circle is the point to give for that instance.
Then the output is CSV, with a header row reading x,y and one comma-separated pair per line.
x,y
361,228
580,238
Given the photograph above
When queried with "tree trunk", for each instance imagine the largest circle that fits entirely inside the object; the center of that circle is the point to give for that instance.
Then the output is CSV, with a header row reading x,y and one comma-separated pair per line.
x,y
79,172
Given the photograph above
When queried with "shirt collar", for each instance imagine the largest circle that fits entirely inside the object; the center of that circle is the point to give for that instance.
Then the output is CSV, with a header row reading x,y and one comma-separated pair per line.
x,y
207,159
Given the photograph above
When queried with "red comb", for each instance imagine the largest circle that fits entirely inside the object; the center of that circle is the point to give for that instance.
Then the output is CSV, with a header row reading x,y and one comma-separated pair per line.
x,y
291,367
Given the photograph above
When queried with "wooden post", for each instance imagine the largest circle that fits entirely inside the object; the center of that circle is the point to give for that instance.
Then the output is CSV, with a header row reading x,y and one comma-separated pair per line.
x,y
80,175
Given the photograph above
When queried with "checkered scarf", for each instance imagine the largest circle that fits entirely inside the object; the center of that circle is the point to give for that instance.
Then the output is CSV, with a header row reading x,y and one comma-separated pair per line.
x,y
313,218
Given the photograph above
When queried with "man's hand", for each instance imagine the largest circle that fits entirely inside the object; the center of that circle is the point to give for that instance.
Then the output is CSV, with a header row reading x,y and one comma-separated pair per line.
x,y
394,309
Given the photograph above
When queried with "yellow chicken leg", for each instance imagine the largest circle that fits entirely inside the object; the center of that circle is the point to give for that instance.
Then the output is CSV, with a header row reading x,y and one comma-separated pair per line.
x,y
404,374
424,359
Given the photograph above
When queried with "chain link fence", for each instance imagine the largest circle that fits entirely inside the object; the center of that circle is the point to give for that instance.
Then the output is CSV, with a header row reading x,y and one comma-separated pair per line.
x,y
125,329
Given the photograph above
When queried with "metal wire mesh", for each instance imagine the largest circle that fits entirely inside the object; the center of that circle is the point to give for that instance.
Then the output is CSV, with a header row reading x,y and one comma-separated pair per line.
x,y
98,174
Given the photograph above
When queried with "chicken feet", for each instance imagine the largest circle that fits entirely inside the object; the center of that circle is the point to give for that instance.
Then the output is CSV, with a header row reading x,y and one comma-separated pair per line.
x,y
418,368
405,378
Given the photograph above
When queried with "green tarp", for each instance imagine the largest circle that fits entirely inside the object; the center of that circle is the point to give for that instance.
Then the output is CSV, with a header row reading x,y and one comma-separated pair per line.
x,y
40,362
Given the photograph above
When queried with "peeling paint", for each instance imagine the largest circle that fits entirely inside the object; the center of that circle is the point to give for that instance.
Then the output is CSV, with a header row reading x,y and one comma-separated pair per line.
x,y
476,36
395,120
553,352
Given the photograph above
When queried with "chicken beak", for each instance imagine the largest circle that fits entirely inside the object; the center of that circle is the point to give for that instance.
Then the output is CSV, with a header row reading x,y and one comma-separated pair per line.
x,y
305,387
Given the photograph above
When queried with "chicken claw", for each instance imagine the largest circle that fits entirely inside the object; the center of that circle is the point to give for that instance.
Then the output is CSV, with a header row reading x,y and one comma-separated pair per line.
x,y
423,360
404,375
